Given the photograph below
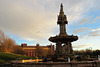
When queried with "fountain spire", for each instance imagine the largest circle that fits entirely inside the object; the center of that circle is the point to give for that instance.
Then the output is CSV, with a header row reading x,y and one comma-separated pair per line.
x,y
62,21
61,10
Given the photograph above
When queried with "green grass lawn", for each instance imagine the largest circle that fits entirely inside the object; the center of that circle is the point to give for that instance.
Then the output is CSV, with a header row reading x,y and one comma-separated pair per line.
x,y
7,57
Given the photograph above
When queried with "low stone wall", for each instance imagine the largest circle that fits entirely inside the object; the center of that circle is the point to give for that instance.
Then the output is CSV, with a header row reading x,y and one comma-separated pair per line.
x,y
58,64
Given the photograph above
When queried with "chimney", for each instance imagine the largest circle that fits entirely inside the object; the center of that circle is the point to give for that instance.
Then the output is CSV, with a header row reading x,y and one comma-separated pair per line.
x,y
23,45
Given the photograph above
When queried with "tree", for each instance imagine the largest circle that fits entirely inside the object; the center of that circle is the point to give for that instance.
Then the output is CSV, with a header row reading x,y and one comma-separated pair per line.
x,y
2,37
19,50
39,51
96,53
8,45
45,52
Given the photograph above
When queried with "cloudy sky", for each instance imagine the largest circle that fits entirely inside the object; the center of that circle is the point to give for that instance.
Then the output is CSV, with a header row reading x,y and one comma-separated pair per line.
x,y
34,21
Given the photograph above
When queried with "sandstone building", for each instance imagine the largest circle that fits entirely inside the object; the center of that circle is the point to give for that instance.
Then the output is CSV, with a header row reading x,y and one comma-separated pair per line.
x,y
32,50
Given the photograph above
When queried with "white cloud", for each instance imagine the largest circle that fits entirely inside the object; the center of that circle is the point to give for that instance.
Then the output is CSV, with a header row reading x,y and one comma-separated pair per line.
x,y
95,19
81,30
82,46
25,22
98,29
83,21
94,32
36,19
